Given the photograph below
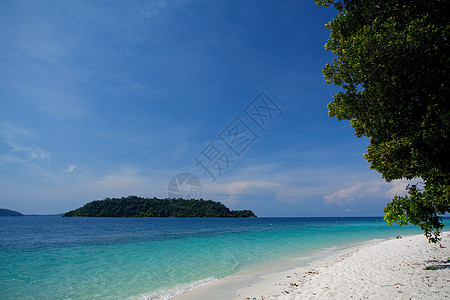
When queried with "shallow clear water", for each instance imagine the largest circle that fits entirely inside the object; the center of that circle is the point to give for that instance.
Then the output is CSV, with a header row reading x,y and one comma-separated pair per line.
x,y
43,257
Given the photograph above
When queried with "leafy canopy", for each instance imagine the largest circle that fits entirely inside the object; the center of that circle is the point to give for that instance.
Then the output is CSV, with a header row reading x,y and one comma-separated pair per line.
x,y
392,63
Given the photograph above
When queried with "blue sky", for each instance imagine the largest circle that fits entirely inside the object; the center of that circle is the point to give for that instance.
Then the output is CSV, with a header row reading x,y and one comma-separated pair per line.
x,y
113,98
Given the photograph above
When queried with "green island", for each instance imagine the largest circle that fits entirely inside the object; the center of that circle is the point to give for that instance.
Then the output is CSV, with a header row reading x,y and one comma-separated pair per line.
x,y
133,206
9,213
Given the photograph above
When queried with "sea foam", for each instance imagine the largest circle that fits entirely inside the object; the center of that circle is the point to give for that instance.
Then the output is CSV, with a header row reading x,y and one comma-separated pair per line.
x,y
167,294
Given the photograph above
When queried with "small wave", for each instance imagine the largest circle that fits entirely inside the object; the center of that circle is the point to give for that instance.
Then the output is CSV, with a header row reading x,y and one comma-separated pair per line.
x,y
167,294
330,249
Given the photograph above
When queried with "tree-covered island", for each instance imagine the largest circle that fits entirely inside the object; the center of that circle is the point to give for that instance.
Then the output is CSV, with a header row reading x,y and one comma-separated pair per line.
x,y
9,213
133,206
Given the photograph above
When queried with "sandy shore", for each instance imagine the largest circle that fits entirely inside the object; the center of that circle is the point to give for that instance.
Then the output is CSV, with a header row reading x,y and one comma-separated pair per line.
x,y
406,268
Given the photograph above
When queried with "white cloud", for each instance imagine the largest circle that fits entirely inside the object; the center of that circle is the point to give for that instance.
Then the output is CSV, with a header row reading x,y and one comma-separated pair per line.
x,y
348,195
281,183
9,132
155,10
53,98
398,187
30,153
22,149
241,186
70,168
127,181
234,190
374,189
123,179
292,192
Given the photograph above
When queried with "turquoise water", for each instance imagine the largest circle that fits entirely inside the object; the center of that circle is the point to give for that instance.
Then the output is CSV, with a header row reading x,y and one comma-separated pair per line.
x,y
122,258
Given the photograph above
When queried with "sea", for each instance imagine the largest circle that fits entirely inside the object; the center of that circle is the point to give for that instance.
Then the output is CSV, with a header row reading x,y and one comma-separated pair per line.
x,y
51,257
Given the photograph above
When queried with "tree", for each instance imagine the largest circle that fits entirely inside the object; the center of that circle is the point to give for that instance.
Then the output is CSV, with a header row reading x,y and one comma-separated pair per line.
x,y
392,61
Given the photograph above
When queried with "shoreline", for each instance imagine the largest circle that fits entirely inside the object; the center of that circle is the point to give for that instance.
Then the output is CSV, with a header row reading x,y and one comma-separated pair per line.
x,y
403,268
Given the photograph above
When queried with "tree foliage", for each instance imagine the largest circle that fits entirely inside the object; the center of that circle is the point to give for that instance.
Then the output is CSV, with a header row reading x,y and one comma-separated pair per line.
x,y
392,61
133,206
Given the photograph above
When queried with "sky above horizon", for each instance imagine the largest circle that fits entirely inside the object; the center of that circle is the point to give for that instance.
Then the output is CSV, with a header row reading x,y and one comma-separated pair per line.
x,y
115,98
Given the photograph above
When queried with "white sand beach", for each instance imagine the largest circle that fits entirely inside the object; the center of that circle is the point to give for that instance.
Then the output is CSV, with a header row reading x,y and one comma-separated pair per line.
x,y
405,268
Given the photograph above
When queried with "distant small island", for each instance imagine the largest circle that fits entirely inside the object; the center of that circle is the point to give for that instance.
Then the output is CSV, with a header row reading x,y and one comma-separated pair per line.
x,y
133,206
9,213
